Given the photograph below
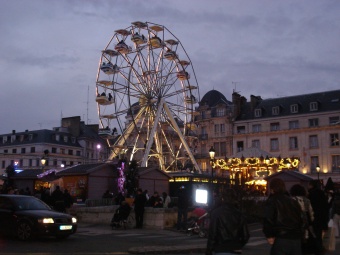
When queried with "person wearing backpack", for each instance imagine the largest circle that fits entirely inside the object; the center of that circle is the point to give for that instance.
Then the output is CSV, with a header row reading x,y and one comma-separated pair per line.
x,y
228,229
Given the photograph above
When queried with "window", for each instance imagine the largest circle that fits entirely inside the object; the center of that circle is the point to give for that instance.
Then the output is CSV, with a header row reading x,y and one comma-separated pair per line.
x,y
70,152
313,141
62,151
240,146
65,139
30,162
73,139
204,166
274,126
275,110
334,120
294,124
32,149
274,144
78,153
217,149
217,128
220,112
255,143
55,162
30,137
241,129
57,137
223,148
4,139
54,150
314,161
336,163
313,122
334,139
294,108
222,128
23,150
293,143
258,113
13,138
14,151
256,128
313,106
3,164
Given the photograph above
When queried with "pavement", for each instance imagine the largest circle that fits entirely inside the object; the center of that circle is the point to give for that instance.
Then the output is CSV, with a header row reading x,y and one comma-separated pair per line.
x,y
177,249
173,249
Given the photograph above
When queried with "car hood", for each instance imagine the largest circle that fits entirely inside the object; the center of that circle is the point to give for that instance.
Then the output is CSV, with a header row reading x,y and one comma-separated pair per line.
x,y
43,214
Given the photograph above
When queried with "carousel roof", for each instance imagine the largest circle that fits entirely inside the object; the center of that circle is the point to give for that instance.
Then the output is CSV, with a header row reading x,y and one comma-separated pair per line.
x,y
251,152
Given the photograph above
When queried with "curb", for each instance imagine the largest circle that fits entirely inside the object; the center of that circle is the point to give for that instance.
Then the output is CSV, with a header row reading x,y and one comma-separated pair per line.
x,y
183,249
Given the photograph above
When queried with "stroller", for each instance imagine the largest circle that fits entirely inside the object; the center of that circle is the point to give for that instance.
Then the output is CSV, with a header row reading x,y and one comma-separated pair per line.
x,y
197,224
120,216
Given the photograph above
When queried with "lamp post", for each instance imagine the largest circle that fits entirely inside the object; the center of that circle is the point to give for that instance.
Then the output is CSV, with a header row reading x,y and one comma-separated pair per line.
x,y
212,158
98,151
318,171
267,160
43,162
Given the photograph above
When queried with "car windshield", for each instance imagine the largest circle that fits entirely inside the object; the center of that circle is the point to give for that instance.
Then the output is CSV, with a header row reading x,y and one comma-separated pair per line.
x,y
29,203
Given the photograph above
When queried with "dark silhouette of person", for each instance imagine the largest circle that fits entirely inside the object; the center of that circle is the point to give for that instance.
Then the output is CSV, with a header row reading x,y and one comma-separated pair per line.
x,y
57,198
139,202
182,208
68,200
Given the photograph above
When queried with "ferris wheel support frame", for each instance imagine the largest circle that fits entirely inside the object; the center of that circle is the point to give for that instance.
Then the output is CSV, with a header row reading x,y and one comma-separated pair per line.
x,y
164,105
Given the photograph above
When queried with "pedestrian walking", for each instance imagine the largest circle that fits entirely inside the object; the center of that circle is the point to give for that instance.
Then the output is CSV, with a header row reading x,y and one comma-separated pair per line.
x,y
228,229
283,222
139,202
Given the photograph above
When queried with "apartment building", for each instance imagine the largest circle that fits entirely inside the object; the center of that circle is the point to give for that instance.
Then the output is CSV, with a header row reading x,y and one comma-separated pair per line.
x,y
71,144
304,126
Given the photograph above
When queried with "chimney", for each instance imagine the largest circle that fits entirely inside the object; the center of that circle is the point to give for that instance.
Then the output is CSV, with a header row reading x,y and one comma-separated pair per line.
x,y
254,101
13,132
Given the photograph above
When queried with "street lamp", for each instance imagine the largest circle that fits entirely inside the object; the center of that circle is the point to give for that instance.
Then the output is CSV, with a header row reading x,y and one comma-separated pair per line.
x,y
43,162
267,160
98,152
318,171
212,158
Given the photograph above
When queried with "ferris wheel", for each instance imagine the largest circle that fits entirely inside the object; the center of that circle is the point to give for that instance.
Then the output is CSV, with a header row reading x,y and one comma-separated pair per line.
x,y
146,92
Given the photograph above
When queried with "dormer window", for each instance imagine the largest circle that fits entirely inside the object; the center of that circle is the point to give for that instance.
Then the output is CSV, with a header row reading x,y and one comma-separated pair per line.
x,y
4,139
294,108
13,138
276,110
30,137
220,112
73,140
65,139
313,106
57,138
258,113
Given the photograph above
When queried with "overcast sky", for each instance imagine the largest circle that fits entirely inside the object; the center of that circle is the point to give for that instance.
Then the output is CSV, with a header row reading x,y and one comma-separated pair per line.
x,y
49,50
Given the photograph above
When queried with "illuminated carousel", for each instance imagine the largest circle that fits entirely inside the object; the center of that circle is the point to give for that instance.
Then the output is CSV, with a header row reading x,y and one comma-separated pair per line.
x,y
251,166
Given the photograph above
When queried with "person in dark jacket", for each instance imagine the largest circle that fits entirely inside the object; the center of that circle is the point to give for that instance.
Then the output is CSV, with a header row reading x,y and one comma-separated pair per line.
x,y
57,198
228,229
139,202
182,208
319,204
283,221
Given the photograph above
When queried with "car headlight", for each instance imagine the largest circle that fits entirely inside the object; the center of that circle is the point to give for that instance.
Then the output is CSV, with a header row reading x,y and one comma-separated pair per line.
x,y
46,220
74,220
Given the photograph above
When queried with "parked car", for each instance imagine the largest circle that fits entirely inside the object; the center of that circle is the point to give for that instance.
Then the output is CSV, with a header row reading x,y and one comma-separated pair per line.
x,y
27,217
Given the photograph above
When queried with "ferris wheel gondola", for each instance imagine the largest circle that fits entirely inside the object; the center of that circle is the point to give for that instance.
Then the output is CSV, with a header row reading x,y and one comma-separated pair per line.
x,y
147,90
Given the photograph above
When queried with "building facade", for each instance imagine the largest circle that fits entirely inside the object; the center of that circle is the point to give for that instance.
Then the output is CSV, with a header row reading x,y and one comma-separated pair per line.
x,y
71,144
306,127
